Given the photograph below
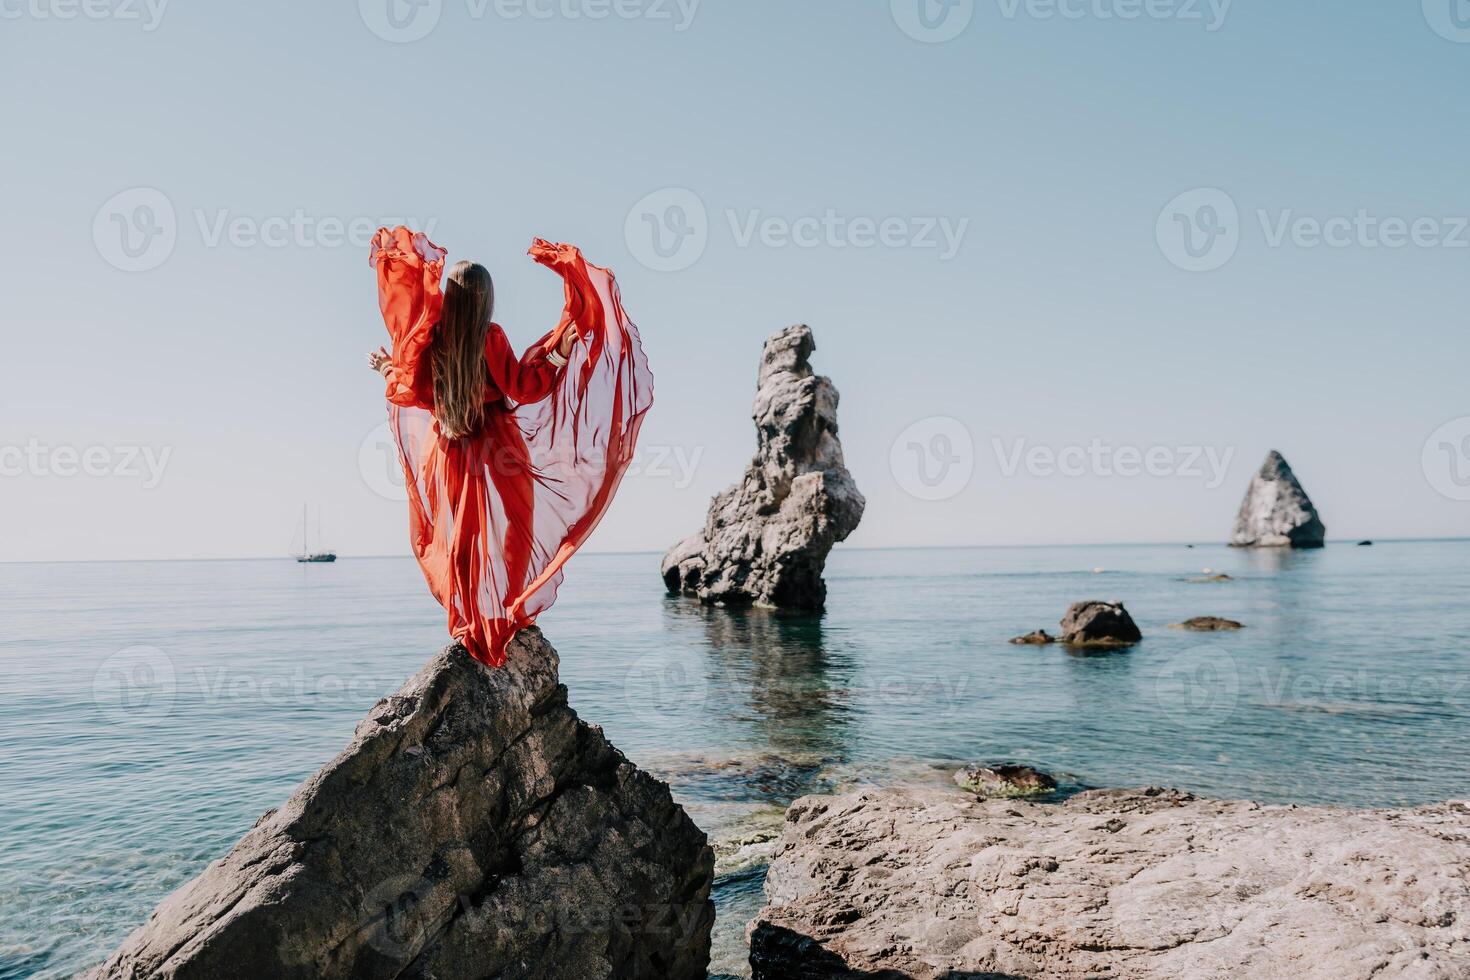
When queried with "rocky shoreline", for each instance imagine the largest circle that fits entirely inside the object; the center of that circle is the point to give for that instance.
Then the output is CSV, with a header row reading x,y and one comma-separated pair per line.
x,y
1148,884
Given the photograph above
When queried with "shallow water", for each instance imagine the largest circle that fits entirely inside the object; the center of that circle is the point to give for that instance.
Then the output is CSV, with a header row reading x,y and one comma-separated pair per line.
x,y
151,712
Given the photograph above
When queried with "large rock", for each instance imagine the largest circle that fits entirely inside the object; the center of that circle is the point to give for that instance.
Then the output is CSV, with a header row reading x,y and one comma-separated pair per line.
x,y
1277,512
766,539
1146,884
475,827
1099,624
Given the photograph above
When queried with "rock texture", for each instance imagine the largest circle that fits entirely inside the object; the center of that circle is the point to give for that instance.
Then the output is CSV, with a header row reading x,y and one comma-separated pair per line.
x,y
1277,512
1147,885
1004,781
766,539
1037,638
1208,624
475,827
1099,624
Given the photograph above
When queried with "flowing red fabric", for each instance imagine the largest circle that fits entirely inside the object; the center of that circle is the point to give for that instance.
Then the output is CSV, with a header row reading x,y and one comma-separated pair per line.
x,y
494,516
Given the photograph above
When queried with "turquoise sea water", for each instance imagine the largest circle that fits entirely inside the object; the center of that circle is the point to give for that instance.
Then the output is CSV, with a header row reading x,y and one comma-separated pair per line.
x,y
150,712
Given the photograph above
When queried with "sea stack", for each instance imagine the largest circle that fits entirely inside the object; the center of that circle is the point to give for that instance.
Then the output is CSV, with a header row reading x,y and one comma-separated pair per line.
x,y
474,827
1276,512
766,539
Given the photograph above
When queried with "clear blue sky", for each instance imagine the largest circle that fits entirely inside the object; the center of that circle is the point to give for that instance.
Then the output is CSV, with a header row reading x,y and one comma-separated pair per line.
x,y
1059,321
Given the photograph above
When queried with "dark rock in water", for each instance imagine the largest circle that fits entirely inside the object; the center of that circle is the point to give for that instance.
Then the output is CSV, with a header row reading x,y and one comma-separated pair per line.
x,y
1138,884
766,539
1276,512
1004,781
1208,624
1095,623
1222,577
474,827
1365,544
1038,638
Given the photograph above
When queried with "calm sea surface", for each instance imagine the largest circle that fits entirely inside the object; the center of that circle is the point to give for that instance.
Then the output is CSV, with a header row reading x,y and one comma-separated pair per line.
x,y
150,712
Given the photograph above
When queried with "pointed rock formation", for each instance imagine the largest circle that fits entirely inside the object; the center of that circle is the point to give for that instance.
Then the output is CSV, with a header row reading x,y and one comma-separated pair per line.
x,y
766,539
475,827
1277,512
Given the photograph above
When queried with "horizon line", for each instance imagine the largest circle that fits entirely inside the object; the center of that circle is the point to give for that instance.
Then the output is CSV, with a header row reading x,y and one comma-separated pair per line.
x,y
906,547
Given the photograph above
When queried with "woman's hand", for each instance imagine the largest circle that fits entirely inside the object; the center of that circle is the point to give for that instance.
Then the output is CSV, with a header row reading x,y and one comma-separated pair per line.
x,y
567,340
380,361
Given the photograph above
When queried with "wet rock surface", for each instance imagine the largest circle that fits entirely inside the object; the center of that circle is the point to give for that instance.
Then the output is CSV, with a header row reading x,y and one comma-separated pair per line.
x,y
1004,781
1099,624
1208,624
766,539
1145,884
474,827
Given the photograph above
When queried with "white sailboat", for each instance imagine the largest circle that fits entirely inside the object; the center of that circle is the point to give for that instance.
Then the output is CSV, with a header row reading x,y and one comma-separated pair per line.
x,y
306,554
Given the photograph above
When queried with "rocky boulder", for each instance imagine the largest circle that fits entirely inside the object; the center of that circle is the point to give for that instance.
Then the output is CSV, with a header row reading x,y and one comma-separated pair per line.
x,y
766,539
474,827
1036,638
1277,512
1005,781
1208,624
1146,884
1099,624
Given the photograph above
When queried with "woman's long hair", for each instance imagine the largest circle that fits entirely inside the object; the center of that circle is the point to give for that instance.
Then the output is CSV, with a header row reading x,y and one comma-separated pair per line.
x,y
459,350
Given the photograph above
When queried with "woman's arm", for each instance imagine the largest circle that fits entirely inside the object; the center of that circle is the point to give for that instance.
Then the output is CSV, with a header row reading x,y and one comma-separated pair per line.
x,y
524,379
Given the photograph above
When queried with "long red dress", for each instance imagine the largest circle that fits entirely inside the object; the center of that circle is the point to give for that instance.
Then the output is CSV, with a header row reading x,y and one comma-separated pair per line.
x,y
494,516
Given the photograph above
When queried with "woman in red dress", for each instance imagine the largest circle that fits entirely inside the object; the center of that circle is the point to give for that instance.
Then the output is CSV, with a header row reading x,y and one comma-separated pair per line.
x,y
510,461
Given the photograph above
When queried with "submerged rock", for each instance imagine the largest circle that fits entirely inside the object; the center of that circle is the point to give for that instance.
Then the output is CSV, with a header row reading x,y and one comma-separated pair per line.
x,y
1202,579
1207,624
1143,884
1277,512
1099,624
766,539
1004,781
1036,638
474,827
